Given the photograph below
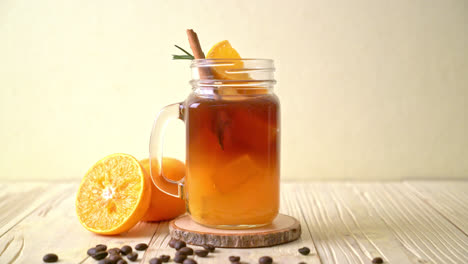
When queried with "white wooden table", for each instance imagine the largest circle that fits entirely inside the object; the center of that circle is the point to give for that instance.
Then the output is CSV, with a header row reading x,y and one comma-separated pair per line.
x,y
402,222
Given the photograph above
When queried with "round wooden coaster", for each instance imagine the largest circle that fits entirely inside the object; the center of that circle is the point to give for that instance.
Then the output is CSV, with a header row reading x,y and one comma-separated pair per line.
x,y
283,229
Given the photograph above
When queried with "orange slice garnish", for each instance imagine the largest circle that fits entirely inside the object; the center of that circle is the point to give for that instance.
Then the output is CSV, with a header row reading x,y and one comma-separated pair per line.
x,y
232,72
224,50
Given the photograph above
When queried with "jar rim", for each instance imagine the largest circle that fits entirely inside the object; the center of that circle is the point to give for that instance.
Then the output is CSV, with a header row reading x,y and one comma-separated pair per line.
x,y
239,73
266,64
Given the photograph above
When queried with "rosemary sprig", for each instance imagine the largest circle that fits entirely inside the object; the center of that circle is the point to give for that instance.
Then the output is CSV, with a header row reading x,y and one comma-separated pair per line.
x,y
187,55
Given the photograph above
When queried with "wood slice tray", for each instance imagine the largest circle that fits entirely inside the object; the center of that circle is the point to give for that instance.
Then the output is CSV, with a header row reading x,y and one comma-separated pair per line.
x,y
283,229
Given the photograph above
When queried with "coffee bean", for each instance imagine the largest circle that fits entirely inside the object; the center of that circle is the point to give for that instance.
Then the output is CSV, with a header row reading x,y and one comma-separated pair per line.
x,y
100,255
377,260
234,258
236,262
165,258
51,257
186,250
126,250
265,260
201,253
122,261
155,261
101,247
105,261
304,251
114,251
141,246
302,263
91,251
179,244
114,258
189,261
179,258
172,242
132,256
210,248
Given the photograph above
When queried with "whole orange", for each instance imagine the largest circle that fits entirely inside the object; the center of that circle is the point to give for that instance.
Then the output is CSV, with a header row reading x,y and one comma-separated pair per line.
x,y
163,206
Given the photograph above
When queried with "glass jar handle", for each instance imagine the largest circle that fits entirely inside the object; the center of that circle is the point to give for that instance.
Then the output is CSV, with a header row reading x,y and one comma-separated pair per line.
x,y
168,186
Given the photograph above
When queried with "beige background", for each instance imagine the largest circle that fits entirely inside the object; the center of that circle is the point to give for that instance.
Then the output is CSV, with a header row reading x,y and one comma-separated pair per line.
x,y
369,89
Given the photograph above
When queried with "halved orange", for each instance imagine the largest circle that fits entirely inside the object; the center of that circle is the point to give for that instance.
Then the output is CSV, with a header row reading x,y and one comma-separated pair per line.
x,y
113,195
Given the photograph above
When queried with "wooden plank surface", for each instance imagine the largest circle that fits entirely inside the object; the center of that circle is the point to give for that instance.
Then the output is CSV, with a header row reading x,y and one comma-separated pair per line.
x,y
411,222
449,198
353,223
19,200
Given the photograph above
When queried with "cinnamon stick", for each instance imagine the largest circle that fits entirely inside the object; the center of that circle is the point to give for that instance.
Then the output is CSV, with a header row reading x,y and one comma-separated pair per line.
x,y
195,44
205,72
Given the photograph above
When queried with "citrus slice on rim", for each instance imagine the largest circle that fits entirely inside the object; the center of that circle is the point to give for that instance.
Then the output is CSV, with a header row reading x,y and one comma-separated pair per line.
x,y
226,70
231,70
113,195
222,50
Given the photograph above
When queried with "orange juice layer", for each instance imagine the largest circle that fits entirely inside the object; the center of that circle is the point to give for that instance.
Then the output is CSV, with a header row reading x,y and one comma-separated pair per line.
x,y
233,159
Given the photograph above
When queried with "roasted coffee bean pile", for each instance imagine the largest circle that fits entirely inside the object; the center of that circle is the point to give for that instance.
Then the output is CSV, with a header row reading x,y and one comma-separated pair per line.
x,y
116,255
183,254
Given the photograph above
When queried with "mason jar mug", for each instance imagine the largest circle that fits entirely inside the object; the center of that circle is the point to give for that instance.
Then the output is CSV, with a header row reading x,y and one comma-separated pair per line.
x,y
232,121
